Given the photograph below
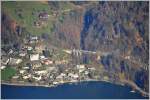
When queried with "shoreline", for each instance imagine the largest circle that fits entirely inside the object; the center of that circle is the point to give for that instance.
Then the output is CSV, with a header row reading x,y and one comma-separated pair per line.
x,y
122,83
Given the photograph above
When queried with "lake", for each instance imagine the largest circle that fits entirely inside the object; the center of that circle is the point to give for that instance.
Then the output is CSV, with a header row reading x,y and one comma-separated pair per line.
x,y
83,90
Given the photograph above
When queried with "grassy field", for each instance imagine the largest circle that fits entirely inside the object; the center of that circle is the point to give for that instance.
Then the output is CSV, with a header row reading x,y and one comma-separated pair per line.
x,y
7,73
26,13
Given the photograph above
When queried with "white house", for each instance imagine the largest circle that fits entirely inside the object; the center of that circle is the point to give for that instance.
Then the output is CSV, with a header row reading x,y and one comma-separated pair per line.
x,y
29,48
37,78
3,67
22,71
25,77
41,72
80,66
14,61
34,57
4,60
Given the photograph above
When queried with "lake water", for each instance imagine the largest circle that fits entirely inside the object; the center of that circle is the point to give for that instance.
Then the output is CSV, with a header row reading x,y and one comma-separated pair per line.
x,y
83,90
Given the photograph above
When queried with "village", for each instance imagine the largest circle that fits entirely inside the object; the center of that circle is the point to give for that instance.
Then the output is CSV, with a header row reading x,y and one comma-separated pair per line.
x,y
37,64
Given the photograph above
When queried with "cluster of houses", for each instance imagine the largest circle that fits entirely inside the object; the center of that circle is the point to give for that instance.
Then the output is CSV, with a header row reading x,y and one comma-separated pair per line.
x,y
34,64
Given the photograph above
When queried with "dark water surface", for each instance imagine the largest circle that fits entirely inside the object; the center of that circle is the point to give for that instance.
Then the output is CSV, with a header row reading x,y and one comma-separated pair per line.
x,y
84,90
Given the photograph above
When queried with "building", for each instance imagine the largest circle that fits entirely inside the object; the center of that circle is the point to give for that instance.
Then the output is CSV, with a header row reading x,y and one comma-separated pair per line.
x,y
81,68
29,48
43,16
26,67
41,72
47,62
14,61
42,57
73,76
15,77
22,71
25,77
34,57
36,64
3,67
4,60
33,39
22,53
37,78
10,51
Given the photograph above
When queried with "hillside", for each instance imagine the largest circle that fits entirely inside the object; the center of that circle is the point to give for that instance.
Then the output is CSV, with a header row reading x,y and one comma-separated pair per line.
x,y
120,28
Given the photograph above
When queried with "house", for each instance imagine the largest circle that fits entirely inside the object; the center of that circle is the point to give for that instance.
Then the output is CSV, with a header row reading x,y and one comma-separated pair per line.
x,y
15,61
61,76
48,62
37,78
55,83
34,57
106,78
3,67
36,64
41,72
98,57
74,76
33,39
25,77
43,16
29,48
4,60
86,72
81,68
22,71
22,53
127,57
10,51
91,68
42,57
15,77
26,67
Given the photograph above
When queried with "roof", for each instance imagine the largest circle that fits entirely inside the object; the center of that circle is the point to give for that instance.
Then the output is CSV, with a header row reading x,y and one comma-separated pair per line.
x,y
43,15
34,57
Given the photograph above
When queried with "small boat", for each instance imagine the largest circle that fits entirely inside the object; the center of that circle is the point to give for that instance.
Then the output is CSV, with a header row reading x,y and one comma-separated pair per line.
x,y
132,91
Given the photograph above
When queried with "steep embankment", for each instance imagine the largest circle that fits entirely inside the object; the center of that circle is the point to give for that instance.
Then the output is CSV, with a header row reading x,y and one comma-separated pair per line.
x,y
121,27
11,33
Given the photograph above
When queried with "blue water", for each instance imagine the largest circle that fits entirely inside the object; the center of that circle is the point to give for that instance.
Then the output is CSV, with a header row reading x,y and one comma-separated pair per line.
x,y
84,90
